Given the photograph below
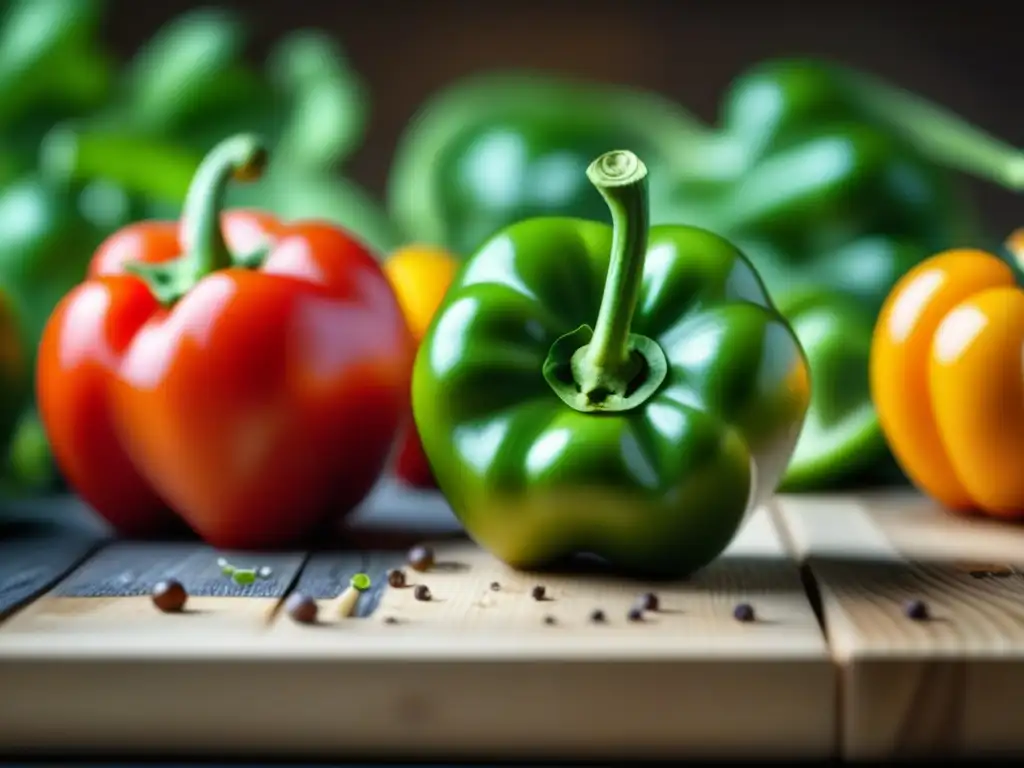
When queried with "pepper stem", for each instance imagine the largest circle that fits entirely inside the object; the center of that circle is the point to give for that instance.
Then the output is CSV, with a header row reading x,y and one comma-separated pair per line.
x,y
939,134
607,363
239,158
609,368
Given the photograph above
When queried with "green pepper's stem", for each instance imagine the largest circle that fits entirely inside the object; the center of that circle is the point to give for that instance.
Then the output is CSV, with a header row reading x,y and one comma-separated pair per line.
x,y
621,178
940,135
242,158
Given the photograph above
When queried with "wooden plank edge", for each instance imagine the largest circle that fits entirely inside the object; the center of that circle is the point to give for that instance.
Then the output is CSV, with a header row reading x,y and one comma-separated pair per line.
x,y
596,707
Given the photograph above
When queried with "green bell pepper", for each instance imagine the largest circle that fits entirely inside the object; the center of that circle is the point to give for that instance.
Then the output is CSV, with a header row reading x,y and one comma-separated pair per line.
x,y
644,439
830,182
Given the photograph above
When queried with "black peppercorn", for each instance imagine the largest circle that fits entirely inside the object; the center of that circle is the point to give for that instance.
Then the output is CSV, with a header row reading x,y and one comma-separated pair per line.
x,y
421,558
916,610
538,592
390,620
549,620
422,592
301,608
495,586
396,578
170,596
635,614
743,612
648,602
597,616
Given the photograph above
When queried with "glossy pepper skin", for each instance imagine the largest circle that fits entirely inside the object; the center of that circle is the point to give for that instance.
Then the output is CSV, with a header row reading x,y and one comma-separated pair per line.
x,y
644,438
420,277
946,380
831,183
250,380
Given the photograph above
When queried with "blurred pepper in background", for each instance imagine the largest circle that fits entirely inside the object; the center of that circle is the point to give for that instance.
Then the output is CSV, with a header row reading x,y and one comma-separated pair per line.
x,y
833,184
420,278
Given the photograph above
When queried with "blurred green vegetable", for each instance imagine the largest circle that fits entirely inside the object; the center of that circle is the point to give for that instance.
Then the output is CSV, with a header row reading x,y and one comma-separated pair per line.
x,y
189,87
14,376
50,60
497,149
31,468
832,183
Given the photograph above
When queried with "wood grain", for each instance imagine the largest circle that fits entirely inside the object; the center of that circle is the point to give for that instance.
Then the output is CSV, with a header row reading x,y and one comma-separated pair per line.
x,y
952,685
470,672
109,594
32,561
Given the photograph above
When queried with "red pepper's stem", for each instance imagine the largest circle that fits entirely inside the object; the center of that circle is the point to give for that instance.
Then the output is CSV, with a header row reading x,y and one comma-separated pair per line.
x,y
239,158
621,178
939,134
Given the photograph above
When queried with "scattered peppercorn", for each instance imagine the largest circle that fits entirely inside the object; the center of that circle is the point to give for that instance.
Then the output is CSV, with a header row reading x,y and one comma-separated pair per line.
x,y
390,620
597,616
396,578
538,592
302,608
648,602
170,596
916,610
421,558
635,614
743,612
422,592
549,620
495,586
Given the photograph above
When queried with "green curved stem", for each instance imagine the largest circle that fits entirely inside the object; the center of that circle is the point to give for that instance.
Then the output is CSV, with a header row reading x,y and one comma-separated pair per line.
x,y
621,178
940,135
240,158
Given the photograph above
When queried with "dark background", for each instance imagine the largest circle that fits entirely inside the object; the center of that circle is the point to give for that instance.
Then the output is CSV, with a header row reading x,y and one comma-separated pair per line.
x,y
966,55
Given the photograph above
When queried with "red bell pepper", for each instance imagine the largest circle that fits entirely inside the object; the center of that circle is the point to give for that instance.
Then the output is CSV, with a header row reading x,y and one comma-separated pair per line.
x,y
247,374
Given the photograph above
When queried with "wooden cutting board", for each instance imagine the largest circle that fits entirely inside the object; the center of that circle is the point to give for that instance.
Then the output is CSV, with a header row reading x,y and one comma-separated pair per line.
x,y
484,668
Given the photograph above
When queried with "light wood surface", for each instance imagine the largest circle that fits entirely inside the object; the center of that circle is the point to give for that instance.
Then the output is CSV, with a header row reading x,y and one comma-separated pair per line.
x,y
951,685
471,671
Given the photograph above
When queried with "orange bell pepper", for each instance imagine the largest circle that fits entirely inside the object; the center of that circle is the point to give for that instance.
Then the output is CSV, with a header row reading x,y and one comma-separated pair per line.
x,y
947,380
420,277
